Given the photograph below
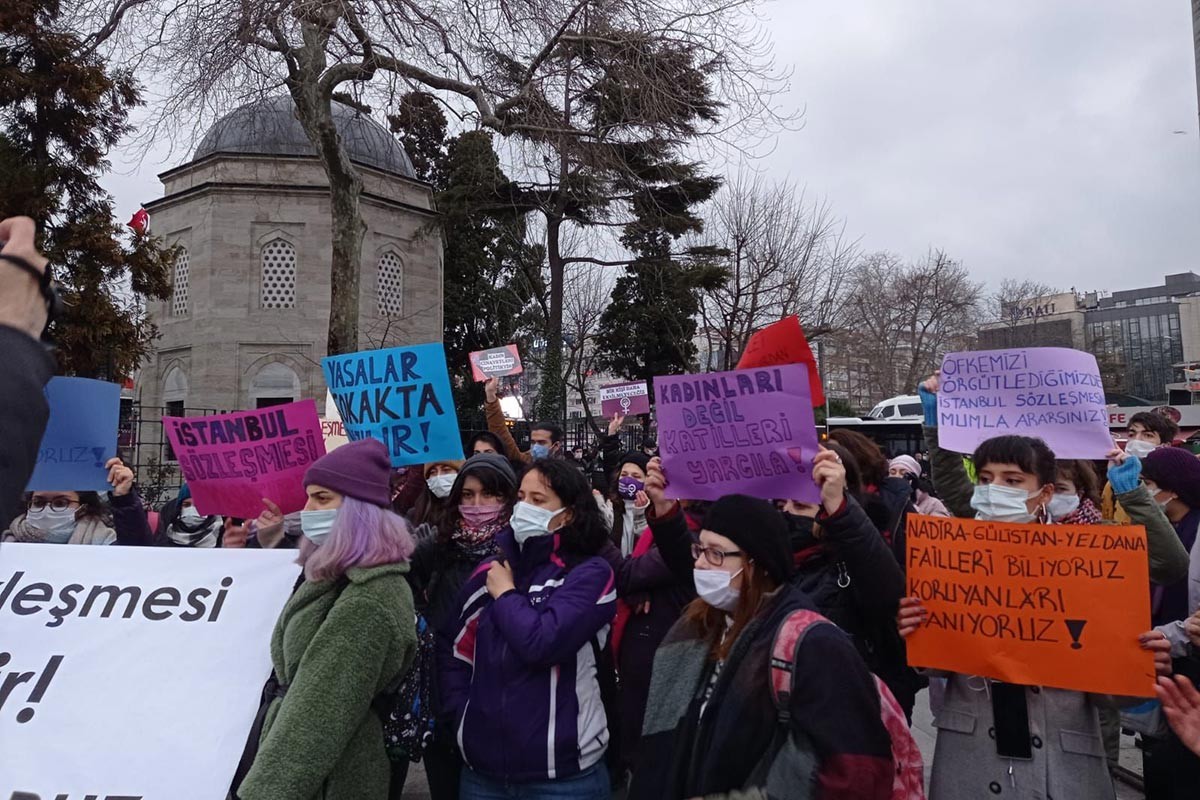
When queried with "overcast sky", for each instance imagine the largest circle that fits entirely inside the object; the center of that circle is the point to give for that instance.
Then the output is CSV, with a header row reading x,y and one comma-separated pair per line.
x,y
1028,138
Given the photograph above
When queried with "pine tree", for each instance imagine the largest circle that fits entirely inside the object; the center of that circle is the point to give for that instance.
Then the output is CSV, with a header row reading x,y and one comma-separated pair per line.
x,y
490,274
649,327
61,110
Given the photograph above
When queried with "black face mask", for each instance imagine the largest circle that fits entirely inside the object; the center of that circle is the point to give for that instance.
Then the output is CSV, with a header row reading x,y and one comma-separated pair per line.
x,y
800,532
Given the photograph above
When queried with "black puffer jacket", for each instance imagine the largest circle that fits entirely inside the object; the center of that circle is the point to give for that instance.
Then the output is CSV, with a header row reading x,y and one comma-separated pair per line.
x,y
853,579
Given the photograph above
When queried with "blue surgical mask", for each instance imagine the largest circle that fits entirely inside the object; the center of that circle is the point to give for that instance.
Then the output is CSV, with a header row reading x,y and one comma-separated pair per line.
x,y
318,524
529,521
713,586
540,451
56,527
997,503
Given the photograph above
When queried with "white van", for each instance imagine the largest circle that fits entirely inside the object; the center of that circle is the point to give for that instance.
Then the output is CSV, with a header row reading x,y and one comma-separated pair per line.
x,y
903,407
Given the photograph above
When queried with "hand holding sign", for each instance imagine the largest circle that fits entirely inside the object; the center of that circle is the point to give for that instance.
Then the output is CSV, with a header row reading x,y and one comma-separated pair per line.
x,y
491,389
656,488
829,473
120,476
614,425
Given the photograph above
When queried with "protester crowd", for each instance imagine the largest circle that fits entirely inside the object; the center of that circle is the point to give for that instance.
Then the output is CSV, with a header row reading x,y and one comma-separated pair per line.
x,y
526,634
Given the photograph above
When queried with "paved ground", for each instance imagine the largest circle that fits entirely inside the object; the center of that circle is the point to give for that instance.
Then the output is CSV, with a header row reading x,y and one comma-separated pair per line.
x,y
923,732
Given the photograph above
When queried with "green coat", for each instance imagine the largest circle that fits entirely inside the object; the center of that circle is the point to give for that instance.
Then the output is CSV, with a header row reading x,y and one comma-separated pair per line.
x,y
337,645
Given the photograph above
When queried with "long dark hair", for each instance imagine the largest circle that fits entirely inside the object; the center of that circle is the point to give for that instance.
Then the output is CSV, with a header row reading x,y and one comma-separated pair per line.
x,y
493,483
872,464
584,535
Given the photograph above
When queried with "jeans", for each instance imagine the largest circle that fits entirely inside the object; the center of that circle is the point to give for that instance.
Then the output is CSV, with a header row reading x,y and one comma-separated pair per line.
x,y
591,784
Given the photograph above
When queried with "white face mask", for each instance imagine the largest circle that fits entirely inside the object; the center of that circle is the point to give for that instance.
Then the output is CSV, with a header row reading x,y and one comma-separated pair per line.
x,y
529,521
317,525
1139,448
1063,504
713,586
190,515
998,503
56,526
441,485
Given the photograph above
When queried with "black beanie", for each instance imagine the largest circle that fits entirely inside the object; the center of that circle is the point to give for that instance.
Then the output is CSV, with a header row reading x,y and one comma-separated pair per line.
x,y
641,460
757,528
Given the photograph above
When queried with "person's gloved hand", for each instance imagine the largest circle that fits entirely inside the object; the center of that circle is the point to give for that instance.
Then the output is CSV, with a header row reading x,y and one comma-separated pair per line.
x,y
1124,472
928,402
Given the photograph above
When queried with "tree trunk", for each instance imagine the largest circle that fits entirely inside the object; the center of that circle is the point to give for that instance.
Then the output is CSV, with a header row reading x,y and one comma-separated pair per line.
x,y
315,112
550,401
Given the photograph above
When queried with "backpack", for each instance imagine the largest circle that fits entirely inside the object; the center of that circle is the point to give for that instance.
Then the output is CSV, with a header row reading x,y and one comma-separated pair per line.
x,y
909,782
407,712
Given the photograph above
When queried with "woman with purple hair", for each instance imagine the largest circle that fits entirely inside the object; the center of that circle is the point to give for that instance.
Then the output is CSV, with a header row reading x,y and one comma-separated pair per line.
x,y
345,637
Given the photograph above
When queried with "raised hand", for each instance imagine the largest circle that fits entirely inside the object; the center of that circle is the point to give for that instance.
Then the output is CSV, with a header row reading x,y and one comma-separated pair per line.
x,y
120,476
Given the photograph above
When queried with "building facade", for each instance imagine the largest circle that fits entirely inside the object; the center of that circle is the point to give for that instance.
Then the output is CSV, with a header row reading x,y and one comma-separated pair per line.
x,y
1142,338
247,322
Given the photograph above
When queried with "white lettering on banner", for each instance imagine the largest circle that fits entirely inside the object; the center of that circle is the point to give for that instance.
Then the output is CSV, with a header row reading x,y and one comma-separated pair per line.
x,y
102,649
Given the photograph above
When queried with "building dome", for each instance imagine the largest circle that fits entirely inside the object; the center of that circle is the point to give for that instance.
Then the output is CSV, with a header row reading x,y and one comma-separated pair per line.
x,y
269,127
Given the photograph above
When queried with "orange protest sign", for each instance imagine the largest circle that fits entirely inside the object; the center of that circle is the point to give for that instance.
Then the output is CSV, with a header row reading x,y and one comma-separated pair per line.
x,y
1040,605
783,343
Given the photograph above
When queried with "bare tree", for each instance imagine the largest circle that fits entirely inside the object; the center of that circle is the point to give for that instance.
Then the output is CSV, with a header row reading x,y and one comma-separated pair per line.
x,y
783,255
906,317
1017,304
586,293
591,87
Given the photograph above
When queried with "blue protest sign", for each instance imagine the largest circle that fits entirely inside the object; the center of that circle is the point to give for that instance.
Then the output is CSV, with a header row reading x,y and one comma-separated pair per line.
x,y
80,437
401,396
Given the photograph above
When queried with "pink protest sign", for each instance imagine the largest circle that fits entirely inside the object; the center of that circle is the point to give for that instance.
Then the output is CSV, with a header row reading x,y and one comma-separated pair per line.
x,y
625,398
495,363
232,461
1052,393
748,431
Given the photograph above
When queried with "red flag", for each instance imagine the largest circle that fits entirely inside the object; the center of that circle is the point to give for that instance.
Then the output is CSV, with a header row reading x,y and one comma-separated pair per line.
x,y
784,343
140,222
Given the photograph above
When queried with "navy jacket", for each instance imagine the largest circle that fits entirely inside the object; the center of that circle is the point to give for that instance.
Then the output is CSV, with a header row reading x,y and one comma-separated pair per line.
x,y
518,676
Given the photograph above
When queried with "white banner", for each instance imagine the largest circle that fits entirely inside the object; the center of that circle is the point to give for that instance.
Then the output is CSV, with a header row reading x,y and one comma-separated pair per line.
x,y
132,672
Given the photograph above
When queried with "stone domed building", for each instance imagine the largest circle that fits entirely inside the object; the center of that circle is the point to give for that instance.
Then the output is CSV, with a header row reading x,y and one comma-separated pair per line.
x,y
246,325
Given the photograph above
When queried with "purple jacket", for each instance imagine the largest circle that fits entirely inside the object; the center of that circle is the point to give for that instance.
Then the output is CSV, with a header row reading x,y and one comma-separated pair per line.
x,y
517,675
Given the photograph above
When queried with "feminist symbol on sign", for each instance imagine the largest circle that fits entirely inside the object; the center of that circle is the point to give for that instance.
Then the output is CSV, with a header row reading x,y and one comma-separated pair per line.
x,y
625,404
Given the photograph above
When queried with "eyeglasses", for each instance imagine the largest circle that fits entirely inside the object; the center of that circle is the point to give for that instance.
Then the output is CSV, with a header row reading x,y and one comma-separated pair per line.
x,y
712,555
57,504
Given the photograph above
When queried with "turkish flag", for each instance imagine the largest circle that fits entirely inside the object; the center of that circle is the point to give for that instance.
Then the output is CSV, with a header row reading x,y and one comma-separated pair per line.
x,y
140,222
784,343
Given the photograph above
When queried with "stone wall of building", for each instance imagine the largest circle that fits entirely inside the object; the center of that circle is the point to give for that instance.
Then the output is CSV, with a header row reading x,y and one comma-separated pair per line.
x,y
224,210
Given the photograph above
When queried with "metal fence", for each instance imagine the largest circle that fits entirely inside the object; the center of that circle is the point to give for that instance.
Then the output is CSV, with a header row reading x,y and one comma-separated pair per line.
x,y
143,446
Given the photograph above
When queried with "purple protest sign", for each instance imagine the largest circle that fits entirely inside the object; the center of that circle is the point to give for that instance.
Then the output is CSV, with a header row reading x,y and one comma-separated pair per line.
x,y
748,431
1052,393
625,398
232,461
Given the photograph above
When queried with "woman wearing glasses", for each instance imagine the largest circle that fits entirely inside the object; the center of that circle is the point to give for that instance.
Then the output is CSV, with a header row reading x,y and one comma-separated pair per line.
x,y
711,724
68,517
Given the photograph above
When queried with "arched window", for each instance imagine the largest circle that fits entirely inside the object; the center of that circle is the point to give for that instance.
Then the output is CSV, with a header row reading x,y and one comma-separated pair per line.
x,y
179,293
391,285
273,385
278,274
175,390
